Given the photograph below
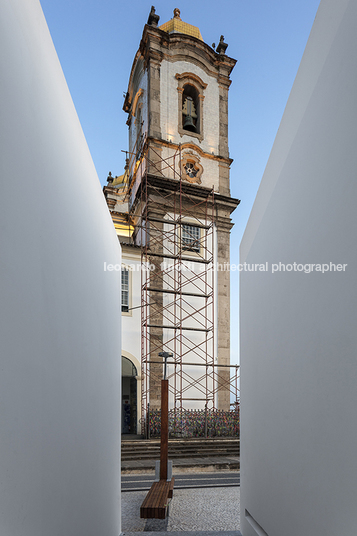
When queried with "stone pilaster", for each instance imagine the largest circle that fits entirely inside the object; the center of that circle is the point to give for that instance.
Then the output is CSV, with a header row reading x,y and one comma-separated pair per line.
x,y
154,98
224,226
224,169
223,121
156,311
154,158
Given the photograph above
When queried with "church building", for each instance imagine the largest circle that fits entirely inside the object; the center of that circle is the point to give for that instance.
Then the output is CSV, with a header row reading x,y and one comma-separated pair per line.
x,y
172,212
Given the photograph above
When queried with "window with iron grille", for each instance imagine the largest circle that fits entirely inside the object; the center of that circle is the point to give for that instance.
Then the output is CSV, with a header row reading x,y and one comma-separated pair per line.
x,y
191,238
124,290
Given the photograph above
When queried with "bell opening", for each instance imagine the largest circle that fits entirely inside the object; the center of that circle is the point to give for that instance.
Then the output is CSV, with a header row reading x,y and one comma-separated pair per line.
x,y
190,109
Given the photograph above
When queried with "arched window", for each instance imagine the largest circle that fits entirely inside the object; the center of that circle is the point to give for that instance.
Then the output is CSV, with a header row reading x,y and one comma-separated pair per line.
x,y
190,109
128,368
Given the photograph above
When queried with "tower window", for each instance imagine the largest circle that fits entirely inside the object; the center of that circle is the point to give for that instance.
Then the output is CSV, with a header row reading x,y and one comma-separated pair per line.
x,y
190,109
191,236
124,290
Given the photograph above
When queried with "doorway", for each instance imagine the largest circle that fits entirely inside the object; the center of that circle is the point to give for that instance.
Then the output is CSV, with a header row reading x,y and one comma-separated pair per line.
x,y
129,396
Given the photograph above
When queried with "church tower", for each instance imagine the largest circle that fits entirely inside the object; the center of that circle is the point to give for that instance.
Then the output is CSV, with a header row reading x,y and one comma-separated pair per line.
x,y
173,202
178,94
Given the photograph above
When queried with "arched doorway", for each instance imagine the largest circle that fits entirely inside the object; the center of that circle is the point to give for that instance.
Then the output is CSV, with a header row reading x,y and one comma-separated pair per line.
x,y
129,396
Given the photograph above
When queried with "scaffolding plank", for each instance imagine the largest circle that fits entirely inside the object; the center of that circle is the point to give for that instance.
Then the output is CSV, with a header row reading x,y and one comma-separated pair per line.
x,y
177,222
162,326
169,291
194,364
177,257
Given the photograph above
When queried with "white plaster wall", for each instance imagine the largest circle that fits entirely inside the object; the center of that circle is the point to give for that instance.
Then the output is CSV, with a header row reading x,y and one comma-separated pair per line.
x,y
131,321
210,175
298,330
171,169
169,120
59,314
169,105
171,164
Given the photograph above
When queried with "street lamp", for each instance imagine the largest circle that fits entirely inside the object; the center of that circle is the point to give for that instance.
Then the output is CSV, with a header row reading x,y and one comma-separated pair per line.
x,y
165,355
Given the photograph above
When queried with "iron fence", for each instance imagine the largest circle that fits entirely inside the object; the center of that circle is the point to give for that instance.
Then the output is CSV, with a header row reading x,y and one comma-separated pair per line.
x,y
197,423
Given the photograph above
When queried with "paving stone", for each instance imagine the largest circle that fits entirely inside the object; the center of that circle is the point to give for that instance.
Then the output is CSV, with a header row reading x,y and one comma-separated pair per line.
x,y
194,511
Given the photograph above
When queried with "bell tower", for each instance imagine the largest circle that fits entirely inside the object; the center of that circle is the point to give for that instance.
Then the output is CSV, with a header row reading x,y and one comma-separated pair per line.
x,y
175,195
178,94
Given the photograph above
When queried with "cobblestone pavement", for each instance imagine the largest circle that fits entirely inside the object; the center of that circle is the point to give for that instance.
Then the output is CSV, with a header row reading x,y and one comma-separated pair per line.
x,y
205,509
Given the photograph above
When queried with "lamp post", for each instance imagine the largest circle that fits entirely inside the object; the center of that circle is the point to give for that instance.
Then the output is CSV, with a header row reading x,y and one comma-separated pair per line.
x,y
164,420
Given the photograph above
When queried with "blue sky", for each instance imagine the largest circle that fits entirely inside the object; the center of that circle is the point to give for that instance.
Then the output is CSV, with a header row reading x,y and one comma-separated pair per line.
x,y
96,41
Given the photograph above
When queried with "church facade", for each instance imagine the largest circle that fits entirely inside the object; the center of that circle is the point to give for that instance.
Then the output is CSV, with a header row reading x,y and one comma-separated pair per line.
x,y
172,212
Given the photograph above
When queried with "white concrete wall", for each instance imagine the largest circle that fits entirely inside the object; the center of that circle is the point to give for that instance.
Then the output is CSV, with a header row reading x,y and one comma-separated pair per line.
x,y
298,329
59,314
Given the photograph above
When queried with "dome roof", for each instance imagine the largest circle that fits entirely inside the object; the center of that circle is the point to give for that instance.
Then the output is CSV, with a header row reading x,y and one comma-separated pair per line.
x,y
176,25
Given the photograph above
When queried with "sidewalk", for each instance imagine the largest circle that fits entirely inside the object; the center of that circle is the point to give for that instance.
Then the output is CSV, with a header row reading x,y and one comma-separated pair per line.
x,y
192,512
183,465
201,512
189,533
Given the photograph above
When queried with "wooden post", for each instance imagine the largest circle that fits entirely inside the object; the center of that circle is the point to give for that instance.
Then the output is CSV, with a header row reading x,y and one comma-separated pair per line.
x,y
164,429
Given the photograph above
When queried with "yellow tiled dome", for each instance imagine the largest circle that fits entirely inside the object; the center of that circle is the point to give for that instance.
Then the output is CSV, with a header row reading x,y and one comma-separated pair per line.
x,y
176,25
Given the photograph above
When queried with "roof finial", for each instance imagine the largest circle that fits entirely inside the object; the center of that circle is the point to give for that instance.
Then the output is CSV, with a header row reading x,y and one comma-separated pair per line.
x,y
222,46
153,18
177,13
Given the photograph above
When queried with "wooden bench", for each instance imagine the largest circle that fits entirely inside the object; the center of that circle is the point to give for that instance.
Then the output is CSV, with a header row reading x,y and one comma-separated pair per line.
x,y
156,501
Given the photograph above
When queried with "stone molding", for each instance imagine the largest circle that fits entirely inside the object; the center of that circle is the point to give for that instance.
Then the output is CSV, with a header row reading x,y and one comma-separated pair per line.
x,y
182,77
192,145
190,157
135,101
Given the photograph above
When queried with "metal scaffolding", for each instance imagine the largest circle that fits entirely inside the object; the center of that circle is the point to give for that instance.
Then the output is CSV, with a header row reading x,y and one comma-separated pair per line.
x,y
174,224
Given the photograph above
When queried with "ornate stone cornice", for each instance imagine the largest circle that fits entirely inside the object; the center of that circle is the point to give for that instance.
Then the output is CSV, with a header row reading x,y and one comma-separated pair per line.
x,y
192,76
193,146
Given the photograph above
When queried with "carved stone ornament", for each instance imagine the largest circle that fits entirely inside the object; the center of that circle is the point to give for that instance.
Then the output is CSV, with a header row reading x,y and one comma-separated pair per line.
x,y
222,46
191,168
177,13
153,19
